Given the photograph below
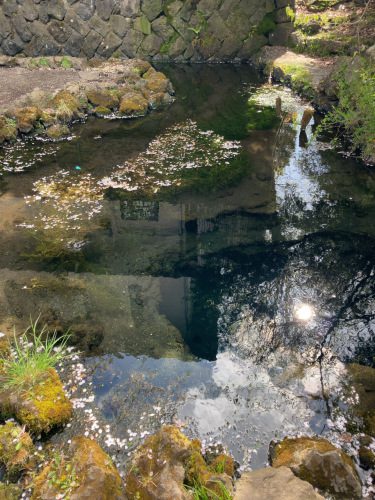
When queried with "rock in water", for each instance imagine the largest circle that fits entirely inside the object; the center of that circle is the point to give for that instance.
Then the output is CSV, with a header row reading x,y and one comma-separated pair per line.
x,y
320,463
274,484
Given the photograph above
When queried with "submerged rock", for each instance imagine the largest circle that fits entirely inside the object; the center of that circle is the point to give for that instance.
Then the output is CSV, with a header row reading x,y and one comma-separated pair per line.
x,y
363,378
88,472
320,463
274,484
168,465
15,448
41,407
58,131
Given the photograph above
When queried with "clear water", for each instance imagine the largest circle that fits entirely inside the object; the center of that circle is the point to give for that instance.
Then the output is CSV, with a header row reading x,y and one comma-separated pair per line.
x,y
231,307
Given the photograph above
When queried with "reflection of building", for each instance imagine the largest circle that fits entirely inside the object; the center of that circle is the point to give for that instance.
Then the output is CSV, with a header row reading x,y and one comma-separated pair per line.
x,y
139,210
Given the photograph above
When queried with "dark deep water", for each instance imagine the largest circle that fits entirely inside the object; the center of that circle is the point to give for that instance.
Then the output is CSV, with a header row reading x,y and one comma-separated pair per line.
x,y
232,306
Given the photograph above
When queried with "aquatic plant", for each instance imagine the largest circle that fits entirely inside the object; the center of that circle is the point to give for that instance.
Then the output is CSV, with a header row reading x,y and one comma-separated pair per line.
x,y
32,355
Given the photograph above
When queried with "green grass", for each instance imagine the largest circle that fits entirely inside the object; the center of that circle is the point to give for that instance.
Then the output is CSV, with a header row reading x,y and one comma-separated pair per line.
x,y
201,492
34,352
354,116
66,63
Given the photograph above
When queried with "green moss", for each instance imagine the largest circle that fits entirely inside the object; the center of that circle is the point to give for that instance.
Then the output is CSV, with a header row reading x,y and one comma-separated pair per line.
x,y
103,98
15,448
102,111
8,129
57,131
43,62
44,405
299,77
266,25
66,63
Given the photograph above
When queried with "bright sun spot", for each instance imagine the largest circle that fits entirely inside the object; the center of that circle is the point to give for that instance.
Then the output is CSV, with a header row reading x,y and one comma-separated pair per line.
x,y
304,312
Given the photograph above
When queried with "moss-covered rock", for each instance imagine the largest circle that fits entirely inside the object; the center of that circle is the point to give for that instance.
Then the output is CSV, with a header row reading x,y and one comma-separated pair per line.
x,y
102,111
15,448
9,492
320,463
57,131
87,472
41,407
168,464
26,118
133,104
155,81
8,129
366,458
67,105
103,98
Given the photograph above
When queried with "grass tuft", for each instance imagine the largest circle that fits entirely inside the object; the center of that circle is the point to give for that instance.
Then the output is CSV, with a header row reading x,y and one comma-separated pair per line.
x,y
33,353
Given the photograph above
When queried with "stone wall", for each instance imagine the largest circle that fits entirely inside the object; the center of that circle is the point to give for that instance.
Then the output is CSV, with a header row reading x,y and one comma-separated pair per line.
x,y
194,30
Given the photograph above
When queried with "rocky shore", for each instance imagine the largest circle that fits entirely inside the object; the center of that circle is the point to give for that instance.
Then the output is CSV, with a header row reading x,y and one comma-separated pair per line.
x,y
44,97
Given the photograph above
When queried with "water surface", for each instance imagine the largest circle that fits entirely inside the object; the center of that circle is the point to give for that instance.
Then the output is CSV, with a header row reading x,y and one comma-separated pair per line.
x,y
231,306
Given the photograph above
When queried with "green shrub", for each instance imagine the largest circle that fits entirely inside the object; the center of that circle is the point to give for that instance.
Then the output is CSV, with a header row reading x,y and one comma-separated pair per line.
x,y
355,113
266,25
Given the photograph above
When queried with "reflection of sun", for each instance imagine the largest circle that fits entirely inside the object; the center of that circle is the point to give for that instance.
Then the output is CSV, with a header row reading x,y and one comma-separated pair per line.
x,y
304,312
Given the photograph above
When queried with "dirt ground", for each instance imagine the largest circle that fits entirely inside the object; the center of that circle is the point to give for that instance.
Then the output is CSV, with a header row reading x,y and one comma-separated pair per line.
x,y
16,83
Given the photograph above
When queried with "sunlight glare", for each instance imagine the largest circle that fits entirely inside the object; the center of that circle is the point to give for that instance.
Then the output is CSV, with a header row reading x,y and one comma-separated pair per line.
x,y
304,312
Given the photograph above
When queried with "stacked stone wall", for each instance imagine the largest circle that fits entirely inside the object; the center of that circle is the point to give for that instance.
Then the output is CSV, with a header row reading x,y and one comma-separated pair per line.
x,y
190,30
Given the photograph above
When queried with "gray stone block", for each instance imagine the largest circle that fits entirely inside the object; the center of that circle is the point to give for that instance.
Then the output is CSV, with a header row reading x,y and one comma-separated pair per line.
x,y
108,45
120,25
91,43
12,45
22,27
59,31
56,9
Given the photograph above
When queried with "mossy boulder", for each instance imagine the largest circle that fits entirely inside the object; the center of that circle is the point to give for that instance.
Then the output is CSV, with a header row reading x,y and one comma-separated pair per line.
x,y
41,407
26,118
16,446
133,104
8,129
102,111
67,105
366,458
57,131
317,461
167,463
156,82
87,472
103,98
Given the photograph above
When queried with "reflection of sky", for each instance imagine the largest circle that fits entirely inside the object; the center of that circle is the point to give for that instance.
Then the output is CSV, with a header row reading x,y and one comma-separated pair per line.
x,y
230,400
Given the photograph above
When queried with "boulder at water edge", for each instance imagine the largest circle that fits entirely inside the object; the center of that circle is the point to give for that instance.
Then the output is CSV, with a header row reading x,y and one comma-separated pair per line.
x,y
274,484
41,407
320,463
87,473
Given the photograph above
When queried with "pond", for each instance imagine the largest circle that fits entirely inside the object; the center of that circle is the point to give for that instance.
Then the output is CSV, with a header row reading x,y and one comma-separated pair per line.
x,y
214,262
